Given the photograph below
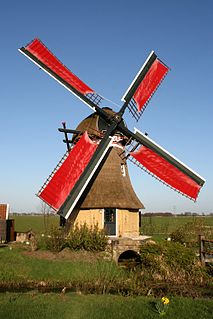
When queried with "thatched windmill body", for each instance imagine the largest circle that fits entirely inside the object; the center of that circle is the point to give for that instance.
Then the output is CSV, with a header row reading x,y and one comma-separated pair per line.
x,y
91,182
109,199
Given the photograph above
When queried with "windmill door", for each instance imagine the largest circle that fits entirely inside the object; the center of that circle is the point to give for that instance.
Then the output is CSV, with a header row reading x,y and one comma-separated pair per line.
x,y
110,221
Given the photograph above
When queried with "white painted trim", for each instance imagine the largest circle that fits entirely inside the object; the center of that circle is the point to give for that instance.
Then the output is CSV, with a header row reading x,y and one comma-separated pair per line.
x,y
165,151
116,221
56,80
87,182
143,66
116,212
102,211
7,211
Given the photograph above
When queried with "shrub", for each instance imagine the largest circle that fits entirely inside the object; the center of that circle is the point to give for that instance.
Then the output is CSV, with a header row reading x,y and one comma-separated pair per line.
x,y
170,253
170,262
178,256
188,233
78,237
87,238
150,255
55,241
178,236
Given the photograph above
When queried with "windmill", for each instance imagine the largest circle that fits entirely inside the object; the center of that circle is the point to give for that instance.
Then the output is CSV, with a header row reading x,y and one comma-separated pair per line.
x,y
87,153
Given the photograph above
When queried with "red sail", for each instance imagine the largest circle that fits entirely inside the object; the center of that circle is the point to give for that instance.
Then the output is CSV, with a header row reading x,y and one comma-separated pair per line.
x,y
167,172
41,52
60,184
150,83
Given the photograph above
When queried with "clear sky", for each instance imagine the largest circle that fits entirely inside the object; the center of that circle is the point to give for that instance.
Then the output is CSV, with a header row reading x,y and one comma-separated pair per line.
x,y
105,43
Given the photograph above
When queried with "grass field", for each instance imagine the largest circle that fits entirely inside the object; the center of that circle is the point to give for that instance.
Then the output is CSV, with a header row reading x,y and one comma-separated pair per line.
x,y
95,288
150,225
35,222
54,269
34,305
88,272
157,225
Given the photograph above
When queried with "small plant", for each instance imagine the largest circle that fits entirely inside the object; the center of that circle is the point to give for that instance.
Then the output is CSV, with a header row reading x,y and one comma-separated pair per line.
x,y
171,264
55,241
162,306
87,238
188,233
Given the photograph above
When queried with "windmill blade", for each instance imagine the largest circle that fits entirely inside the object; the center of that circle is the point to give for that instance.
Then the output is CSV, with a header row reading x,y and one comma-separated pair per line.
x,y
38,53
144,85
59,184
161,164
66,184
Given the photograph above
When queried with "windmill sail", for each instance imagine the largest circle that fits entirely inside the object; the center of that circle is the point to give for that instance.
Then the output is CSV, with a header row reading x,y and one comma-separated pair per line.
x,y
144,85
64,177
166,167
37,52
68,182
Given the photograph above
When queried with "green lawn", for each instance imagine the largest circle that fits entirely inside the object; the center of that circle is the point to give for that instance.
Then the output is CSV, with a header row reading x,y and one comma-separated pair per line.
x,y
20,271
34,305
35,222
163,226
150,225
50,270
89,273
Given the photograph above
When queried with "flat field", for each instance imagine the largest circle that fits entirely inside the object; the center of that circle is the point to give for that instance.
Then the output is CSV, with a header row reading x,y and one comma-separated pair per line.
x,y
34,305
150,225
37,223
165,225
95,288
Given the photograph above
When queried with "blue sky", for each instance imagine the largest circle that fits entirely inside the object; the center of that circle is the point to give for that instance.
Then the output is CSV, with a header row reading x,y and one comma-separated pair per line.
x,y
105,43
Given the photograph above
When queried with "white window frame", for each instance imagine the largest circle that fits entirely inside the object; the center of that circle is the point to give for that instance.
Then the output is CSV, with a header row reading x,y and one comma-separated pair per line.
x,y
116,222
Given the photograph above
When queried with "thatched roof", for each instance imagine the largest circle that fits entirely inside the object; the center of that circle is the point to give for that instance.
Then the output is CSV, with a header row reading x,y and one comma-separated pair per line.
x,y
111,186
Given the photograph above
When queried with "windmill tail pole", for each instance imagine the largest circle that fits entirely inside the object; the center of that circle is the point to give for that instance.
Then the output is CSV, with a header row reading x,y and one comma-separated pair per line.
x,y
66,137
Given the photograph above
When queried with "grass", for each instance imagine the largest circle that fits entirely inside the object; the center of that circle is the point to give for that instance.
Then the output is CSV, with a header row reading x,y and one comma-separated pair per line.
x,y
35,222
20,270
27,268
164,226
35,305
156,225
88,276
80,271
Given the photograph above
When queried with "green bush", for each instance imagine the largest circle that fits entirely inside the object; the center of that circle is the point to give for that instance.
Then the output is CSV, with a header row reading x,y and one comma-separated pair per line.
x,y
170,262
179,235
55,240
188,233
87,238
170,253
150,255
78,237
178,256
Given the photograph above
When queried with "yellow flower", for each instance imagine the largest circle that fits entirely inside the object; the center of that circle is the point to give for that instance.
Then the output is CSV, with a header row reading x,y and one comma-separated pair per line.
x,y
165,300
